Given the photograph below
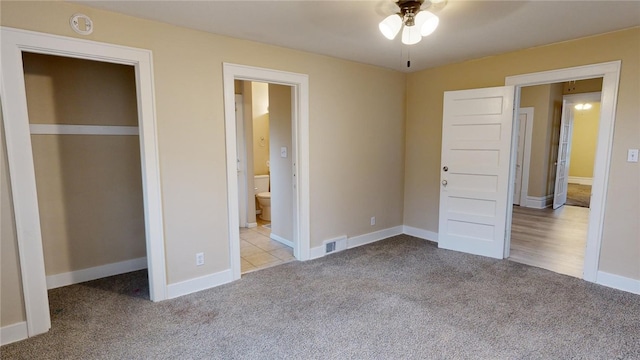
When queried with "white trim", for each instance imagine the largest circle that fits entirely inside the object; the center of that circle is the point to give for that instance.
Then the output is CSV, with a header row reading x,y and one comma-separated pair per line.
x,y
300,155
316,252
281,240
358,240
610,73
583,97
252,225
198,284
58,129
538,202
373,237
97,272
618,282
12,333
580,180
420,233
19,153
526,163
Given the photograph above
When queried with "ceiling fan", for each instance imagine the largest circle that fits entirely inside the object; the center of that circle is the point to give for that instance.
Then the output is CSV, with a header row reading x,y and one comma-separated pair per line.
x,y
415,17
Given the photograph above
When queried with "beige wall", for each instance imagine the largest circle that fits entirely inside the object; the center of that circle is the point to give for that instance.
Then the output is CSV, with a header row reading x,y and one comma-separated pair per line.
x,y
281,168
621,233
11,298
260,111
582,86
89,187
547,103
356,125
584,139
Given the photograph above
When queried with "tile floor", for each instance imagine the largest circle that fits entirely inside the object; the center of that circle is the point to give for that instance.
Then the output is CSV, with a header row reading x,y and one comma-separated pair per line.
x,y
258,251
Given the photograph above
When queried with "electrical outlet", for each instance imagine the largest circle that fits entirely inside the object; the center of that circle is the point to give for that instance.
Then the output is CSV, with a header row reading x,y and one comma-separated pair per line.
x,y
199,259
373,220
632,155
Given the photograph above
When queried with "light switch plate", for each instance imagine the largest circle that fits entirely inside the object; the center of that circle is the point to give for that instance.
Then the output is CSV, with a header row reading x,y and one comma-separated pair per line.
x,y
632,155
283,152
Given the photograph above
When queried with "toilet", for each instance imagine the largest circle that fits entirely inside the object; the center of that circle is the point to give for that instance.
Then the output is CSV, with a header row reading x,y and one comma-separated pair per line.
x,y
261,185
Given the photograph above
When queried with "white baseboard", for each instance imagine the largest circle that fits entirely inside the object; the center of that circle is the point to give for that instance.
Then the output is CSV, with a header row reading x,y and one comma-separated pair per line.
x,y
541,202
252,225
580,180
618,282
14,332
316,252
281,240
198,284
359,240
420,233
373,237
78,276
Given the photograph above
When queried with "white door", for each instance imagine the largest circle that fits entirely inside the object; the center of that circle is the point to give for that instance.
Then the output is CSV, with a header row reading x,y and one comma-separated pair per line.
x,y
474,181
241,163
522,131
562,164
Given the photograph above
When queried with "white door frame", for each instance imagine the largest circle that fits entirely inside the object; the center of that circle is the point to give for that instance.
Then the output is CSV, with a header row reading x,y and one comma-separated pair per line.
x,y
21,168
300,153
610,72
526,161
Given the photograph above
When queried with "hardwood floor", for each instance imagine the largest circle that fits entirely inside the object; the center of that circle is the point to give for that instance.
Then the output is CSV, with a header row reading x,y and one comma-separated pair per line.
x,y
550,239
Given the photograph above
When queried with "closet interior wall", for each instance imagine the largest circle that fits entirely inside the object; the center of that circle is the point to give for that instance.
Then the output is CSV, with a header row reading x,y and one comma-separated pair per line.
x,y
89,186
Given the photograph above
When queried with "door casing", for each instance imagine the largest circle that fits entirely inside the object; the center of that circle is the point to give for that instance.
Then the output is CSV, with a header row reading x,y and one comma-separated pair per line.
x,y
610,73
300,154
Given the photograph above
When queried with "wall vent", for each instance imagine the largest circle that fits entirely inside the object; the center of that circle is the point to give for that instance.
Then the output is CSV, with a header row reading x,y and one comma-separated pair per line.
x,y
335,244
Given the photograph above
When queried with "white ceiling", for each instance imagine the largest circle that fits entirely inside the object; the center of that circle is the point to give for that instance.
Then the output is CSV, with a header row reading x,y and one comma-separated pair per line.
x,y
349,29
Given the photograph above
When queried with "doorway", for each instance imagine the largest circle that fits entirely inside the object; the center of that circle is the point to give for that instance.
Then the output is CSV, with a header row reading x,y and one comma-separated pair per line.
x,y
545,232
299,154
21,162
86,154
264,143
610,74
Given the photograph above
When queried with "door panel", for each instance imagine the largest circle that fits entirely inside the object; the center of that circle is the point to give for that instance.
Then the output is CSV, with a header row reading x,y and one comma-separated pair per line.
x,y
522,133
562,165
476,146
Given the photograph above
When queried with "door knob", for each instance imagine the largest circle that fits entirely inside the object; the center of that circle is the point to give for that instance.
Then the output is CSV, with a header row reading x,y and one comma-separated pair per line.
x,y
446,168
444,182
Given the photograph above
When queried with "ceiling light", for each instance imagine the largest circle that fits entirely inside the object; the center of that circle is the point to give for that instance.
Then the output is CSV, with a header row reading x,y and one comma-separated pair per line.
x,y
586,106
417,23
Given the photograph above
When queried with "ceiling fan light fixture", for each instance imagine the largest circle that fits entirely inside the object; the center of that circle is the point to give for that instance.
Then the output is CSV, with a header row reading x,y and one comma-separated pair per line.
x,y
428,22
390,26
414,22
411,35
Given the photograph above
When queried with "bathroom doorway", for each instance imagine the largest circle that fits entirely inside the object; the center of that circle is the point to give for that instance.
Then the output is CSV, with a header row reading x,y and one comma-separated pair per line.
x,y
264,137
288,159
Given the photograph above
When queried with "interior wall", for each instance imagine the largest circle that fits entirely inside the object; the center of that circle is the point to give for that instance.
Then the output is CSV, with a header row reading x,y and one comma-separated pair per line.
x,y
356,120
621,233
582,86
89,186
281,134
583,144
260,111
11,297
538,97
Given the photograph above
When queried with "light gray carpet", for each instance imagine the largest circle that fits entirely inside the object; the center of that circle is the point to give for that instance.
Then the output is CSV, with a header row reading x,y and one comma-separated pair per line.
x,y
578,195
396,299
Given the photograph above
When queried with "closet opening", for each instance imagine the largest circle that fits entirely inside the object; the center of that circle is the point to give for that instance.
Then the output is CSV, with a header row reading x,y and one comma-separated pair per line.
x,y
83,122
